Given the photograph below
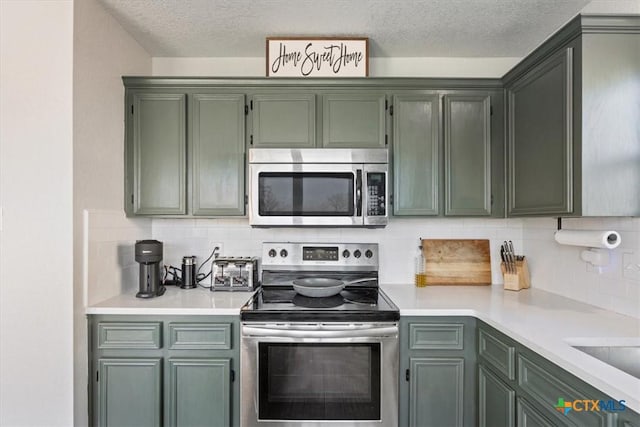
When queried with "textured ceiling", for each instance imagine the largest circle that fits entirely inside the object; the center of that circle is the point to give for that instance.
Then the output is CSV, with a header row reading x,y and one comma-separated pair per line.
x,y
396,28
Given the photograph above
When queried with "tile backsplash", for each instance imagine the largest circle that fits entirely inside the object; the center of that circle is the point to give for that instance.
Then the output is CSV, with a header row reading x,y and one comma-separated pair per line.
x,y
398,241
109,267
559,269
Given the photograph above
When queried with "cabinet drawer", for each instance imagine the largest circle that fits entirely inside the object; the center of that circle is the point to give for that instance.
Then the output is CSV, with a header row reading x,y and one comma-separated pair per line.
x,y
436,336
199,336
497,353
123,335
547,386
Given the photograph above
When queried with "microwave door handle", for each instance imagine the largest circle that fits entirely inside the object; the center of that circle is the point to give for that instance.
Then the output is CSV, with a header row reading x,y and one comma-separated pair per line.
x,y
359,192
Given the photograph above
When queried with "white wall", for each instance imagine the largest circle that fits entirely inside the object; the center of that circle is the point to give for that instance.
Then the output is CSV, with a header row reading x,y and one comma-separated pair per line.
x,y
378,67
36,248
103,53
558,269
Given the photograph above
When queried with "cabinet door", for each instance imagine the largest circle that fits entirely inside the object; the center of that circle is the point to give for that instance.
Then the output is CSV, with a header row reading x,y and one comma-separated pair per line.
x,y
467,155
353,120
496,401
217,154
529,417
284,120
129,392
627,418
159,153
199,392
416,154
540,145
436,392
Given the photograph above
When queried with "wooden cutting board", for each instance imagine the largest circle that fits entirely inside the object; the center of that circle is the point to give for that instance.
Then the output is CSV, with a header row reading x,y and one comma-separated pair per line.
x,y
457,262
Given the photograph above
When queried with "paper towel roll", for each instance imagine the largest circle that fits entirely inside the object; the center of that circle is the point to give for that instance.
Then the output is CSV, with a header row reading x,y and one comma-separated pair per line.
x,y
591,239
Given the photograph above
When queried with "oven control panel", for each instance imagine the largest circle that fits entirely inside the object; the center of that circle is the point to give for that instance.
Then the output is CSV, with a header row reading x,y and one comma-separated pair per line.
x,y
359,256
320,253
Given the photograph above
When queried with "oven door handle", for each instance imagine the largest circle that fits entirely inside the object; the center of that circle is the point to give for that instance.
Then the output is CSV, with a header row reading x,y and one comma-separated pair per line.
x,y
359,192
380,332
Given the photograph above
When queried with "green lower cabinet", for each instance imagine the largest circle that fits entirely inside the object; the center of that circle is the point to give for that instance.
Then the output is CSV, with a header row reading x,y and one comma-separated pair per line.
x,y
129,392
437,392
511,378
164,370
627,418
438,365
198,392
496,401
529,417
545,384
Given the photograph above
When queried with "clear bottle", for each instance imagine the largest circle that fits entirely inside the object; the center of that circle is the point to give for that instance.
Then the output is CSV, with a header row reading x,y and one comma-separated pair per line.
x,y
420,276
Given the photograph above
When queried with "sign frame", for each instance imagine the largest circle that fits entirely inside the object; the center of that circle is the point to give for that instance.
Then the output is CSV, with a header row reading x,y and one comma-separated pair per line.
x,y
318,61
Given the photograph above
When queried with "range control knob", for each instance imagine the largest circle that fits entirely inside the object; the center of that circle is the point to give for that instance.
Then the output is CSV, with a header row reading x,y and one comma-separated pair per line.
x,y
284,253
357,253
346,253
272,253
368,253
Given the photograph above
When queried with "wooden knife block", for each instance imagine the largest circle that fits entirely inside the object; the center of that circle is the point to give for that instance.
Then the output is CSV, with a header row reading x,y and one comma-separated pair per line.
x,y
518,280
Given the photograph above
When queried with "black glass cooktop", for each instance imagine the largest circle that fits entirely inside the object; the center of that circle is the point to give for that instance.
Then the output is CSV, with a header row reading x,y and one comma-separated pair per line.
x,y
352,304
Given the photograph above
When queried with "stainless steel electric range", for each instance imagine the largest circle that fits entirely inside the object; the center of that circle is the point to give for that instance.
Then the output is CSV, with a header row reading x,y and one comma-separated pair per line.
x,y
309,360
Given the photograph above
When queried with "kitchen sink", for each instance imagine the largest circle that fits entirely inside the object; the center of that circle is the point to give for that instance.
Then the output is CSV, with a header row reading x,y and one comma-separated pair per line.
x,y
625,358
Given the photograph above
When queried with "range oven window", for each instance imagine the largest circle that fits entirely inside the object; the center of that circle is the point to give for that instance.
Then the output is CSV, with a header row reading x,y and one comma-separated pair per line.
x,y
319,381
305,194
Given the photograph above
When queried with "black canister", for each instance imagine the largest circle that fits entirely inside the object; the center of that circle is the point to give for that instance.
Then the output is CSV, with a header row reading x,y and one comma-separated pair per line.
x,y
188,272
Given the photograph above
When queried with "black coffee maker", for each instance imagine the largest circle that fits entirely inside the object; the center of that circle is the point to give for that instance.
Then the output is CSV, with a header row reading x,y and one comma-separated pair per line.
x,y
149,255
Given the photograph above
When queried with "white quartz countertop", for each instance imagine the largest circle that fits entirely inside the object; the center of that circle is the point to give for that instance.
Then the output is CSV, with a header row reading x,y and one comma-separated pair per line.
x,y
544,322
176,301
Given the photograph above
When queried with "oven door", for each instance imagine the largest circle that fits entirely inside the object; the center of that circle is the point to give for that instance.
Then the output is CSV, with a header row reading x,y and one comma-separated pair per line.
x,y
300,374
306,194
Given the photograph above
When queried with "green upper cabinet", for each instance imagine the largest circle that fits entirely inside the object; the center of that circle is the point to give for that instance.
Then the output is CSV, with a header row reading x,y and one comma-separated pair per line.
x,y
284,120
217,154
185,153
540,139
158,154
573,132
354,120
467,155
448,153
416,154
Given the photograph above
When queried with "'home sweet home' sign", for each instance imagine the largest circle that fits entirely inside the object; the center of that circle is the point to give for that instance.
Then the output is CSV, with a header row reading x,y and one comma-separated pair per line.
x,y
317,57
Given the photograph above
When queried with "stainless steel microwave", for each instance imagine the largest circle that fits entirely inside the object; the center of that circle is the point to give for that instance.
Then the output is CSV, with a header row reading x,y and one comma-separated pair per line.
x,y
318,187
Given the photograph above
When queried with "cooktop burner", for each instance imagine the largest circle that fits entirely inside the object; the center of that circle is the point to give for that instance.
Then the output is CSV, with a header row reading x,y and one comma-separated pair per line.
x,y
352,304
326,302
353,264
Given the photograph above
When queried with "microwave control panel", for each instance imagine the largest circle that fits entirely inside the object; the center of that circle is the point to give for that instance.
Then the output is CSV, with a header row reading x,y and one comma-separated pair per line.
x,y
376,192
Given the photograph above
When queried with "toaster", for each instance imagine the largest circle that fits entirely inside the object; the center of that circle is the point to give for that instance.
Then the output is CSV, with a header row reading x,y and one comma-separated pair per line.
x,y
234,274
